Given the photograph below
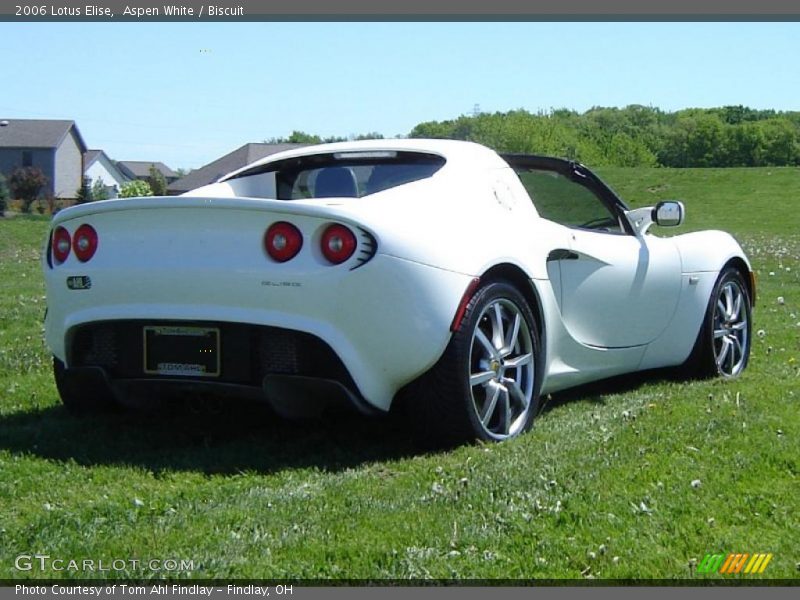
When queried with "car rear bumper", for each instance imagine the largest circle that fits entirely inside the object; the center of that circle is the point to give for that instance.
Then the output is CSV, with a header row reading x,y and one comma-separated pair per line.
x,y
297,373
370,331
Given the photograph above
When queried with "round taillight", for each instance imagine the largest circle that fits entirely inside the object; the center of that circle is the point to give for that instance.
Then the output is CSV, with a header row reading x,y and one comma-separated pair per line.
x,y
338,243
84,242
283,241
61,244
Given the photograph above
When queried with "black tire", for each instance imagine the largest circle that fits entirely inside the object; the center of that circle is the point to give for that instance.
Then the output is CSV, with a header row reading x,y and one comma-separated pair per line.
x,y
447,408
724,328
86,394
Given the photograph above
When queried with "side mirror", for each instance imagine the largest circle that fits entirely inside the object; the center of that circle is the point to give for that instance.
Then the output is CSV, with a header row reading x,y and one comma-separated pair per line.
x,y
669,213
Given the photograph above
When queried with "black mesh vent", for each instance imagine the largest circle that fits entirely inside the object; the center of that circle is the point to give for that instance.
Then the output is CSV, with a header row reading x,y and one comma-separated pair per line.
x,y
278,352
248,352
96,346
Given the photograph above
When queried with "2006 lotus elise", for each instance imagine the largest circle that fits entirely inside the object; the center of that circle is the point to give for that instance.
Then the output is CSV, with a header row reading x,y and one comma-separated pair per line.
x,y
465,282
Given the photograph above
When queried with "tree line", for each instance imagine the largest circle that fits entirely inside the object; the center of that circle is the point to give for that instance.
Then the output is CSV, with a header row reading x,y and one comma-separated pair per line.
x,y
730,136
633,136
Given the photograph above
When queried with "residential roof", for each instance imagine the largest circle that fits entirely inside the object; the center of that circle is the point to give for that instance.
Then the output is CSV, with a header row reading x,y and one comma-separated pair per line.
x,y
92,156
36,133
136,169
240,157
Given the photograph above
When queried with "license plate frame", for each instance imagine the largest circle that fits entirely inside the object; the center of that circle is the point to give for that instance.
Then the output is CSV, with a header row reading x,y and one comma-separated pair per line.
x,y
181,350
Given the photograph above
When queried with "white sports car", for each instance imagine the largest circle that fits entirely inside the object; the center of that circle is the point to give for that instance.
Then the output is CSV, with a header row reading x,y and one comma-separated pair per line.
x,y
435,272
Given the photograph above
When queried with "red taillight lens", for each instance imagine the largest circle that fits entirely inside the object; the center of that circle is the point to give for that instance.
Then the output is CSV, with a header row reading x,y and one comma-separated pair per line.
x,y
61,244
84,242
283,241
338,243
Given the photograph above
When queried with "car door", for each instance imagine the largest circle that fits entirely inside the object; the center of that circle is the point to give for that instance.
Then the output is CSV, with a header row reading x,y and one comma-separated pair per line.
x,y
617,289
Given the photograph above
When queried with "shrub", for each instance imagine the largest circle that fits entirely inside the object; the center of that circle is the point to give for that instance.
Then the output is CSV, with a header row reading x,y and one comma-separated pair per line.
x,y
157,181
50,202
26,183
135,189
3,195
84,193
99,191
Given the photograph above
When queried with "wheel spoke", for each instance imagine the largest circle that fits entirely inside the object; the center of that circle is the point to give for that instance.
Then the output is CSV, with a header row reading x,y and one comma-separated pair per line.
x,y
481,378
513,333
516,392
497,326
728,302
718,333
737,346
506,423
721,307
487,345
739,326
519,361
726,346
489,407
737,307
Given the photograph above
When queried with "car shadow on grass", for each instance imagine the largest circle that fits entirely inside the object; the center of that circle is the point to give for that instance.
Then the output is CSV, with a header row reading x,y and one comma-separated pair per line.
x,y
597,392
237,438
240,437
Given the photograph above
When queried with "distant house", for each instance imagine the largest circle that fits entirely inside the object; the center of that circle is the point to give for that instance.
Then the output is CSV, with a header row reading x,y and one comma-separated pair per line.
x,y
230,162
97,166
56,147
140,169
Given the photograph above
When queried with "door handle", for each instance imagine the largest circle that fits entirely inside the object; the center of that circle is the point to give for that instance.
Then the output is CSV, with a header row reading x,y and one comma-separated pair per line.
x,y
562,254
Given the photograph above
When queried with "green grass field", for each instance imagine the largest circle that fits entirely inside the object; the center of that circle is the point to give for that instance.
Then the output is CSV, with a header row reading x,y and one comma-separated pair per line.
x,y
602,486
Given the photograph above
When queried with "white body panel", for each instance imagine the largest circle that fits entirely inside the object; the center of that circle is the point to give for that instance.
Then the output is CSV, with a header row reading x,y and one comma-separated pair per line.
x,y
634,283
627,302
139,279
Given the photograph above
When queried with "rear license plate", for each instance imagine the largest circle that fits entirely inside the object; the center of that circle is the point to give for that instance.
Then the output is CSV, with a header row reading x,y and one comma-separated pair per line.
x,y
183,351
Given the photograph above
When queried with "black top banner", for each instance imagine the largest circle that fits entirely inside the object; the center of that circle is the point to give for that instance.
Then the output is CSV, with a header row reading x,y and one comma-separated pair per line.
x,y
429,10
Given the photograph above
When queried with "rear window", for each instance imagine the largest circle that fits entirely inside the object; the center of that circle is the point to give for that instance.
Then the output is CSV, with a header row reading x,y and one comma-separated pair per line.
x,y
352,174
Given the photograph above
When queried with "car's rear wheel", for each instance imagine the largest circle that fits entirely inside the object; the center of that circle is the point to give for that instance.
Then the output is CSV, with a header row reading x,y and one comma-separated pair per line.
x,y
723,345
486,385
85,392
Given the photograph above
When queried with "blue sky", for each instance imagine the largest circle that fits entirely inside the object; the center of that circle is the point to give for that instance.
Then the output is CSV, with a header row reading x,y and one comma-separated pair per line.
x,y
186,93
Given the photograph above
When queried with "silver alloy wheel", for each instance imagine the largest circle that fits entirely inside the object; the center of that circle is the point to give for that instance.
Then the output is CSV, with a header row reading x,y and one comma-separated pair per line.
x,y
502,369
731,331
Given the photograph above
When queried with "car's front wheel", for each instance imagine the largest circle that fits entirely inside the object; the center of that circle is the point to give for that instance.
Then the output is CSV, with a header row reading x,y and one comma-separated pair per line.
x,y
486,385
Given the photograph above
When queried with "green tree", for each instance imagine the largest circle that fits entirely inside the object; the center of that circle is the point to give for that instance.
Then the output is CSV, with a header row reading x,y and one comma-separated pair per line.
x,y
433,130
157,181
743,145
135,189
26,183
84,193
296,137
780,142
624,151
635,135
371,135
99,191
